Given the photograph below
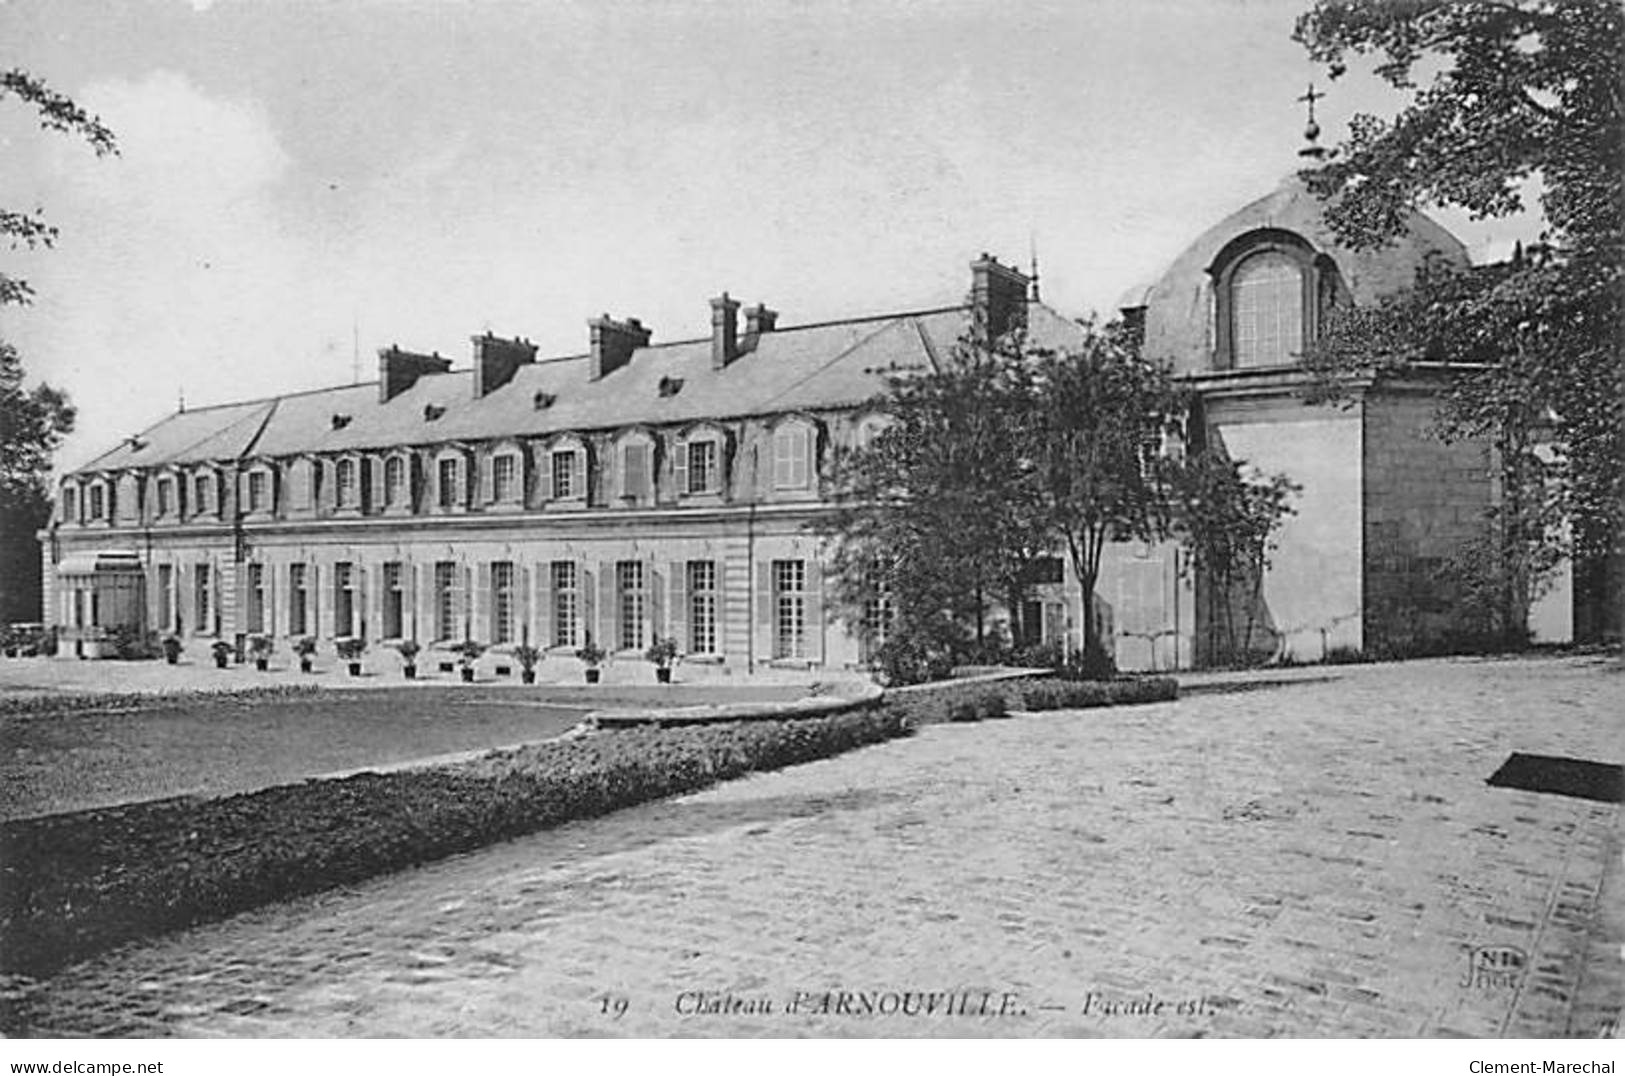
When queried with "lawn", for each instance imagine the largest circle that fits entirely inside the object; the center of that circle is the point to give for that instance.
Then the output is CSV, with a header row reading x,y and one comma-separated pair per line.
x,y
70,760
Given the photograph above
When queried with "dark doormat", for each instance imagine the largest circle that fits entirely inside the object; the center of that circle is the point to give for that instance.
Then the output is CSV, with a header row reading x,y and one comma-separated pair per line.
x,y
1577,777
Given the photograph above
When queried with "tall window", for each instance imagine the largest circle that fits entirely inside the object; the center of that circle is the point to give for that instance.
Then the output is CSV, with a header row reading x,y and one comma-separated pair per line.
x,y
1266,294
395,482
789,609
345,485
203,600
629,589
165,496
344,600
200,494
702,467
502,601
565,475
256,599
98,502
566,602
298,599
394,581
258,489
790,457
503,487
877,616
70,502
445,599
166,591
635,471
447,474
702,607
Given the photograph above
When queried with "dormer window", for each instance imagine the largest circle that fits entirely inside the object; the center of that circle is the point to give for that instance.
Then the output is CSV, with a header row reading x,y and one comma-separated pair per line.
x,y
98,502
259,491
395,482
792,453
446,482
566,467
201,500
345,491
1269,288
637,468
504,477
164,497
1266,310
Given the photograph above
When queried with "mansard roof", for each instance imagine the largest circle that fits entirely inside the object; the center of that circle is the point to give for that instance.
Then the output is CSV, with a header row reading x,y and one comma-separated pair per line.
x,y
809,368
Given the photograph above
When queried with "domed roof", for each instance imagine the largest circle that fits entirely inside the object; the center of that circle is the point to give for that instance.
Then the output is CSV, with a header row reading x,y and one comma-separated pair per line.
x,y
1179,305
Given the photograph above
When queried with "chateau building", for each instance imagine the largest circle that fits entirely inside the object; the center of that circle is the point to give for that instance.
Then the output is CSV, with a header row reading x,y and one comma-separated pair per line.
x,y
648,489
638,490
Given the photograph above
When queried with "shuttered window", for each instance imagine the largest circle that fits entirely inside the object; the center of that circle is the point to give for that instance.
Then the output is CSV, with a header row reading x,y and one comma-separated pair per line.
x,y
503,486
395,482
789,609
298,600
566,582
256,599
790,444
445,599
394,582
701,580
632,601
502,602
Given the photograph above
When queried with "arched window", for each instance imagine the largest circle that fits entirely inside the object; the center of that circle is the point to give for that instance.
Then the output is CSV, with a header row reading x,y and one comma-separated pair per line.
x,y
344,486
1266,304
395,482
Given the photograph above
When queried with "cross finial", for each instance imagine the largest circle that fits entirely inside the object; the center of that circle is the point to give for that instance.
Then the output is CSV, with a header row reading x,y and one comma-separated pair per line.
x,y
1312,132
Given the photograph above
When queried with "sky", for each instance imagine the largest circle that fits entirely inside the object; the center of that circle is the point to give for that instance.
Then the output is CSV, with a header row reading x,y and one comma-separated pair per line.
x,y
302,183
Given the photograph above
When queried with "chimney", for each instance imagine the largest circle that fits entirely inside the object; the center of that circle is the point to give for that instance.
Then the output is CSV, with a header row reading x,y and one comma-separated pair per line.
x,y
496,361
724,331
998,297
613,343
399,370
758,320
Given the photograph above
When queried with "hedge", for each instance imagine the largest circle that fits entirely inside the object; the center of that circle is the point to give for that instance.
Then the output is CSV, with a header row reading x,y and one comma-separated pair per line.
x,y
17,705
976,701
1084,694
74,884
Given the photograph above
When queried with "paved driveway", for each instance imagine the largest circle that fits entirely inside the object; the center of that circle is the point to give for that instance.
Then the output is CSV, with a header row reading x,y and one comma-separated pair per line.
x,y
1312,860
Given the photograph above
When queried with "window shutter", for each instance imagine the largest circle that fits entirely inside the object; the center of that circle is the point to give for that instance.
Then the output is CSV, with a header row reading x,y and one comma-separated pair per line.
x,y
423,626
485,463
321,604
541,613
680,468
522,603
587,596
586,483
656,589
372,490
544,476
608,613
764,610
484,612
809,457
815,610
370,606
678,571
727,450
178,598
269,604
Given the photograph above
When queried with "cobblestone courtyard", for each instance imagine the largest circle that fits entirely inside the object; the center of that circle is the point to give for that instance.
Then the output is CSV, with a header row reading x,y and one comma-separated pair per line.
x,y
1318,859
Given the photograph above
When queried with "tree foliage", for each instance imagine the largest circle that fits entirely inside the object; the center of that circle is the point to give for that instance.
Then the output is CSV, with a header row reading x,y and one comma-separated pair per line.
x,y
1006,454
1515,92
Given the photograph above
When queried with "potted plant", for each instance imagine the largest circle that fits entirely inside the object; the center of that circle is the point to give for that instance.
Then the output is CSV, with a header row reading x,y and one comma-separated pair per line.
x,y
468,652
306,649
527,656
592,655
222,652
172,649
350,648
260,646
662,652
409,657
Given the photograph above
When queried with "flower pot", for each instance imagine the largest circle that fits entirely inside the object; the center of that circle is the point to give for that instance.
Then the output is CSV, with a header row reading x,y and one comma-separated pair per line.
x,y
220,661
527,675
468,675
592,676
173,659
304,664
663,674
410,671
262,664
355,668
